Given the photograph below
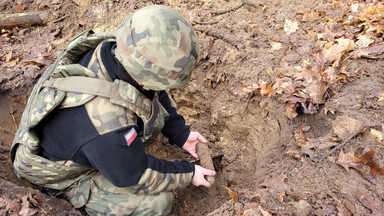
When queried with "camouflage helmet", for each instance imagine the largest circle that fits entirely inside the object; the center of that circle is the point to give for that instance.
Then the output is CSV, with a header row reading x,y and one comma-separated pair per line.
x,y
157,47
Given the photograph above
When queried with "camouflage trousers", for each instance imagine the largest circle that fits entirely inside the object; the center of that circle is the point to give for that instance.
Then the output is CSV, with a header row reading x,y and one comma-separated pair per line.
x,y
101,197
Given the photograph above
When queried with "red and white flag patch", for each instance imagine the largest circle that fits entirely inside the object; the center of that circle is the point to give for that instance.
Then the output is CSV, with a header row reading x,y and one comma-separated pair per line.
x,y
130,136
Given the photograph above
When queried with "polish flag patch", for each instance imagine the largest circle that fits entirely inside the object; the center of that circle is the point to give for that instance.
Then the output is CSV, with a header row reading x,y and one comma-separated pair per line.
x,y
130,136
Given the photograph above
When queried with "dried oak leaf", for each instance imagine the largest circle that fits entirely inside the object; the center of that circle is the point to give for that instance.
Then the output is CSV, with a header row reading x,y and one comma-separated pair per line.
x,y
336,51
290,26
372,201
290,109
275,45
12,63
376,134
374,52
233,194
26,210
349,160
267,90
278,186
364,41
301,138
316,144
343,208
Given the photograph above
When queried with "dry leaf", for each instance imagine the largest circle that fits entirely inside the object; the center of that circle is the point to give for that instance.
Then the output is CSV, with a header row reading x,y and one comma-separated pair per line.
x,y
301,138
337,50
26,210
372,201
279,186
310,16
233,194
342,208
349,160
344,126
290,110
8,56
376,51
12,63
290,26
267,90
20,6
275,45
311,146
364,41
377,134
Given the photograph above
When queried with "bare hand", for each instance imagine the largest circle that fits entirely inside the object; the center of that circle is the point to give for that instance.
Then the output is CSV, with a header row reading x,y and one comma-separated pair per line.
x,y
190,145
199,179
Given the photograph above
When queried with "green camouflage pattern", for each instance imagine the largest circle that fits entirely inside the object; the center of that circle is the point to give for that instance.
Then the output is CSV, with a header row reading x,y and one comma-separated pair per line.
x,y
100,197
107,117
46,101
158,47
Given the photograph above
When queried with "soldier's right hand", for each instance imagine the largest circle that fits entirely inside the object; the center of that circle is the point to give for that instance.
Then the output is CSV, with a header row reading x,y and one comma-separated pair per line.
x,y
199,179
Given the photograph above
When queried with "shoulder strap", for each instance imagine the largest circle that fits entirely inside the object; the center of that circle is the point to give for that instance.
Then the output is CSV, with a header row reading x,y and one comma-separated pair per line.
x,y
119,92
84,85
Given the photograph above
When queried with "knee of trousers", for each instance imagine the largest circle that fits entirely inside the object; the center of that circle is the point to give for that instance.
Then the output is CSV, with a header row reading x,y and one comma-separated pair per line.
x,y
155,204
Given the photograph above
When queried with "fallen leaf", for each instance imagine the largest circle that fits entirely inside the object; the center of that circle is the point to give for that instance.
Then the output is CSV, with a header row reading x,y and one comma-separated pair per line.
x,y
315,90
311,146
233,194
267,90
375,52
12,63
26,210
290,26
301,138
377,134
372,201
20,6
279,186
275,45
336,51
344,126
8,56
290,109
349,160
364,41
310,16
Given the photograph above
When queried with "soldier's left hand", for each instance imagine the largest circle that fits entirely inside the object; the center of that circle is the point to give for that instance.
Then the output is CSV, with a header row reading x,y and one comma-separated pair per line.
x,y
190,145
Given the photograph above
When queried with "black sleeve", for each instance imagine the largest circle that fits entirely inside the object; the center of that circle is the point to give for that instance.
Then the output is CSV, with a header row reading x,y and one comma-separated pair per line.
x,y
174,128
124,165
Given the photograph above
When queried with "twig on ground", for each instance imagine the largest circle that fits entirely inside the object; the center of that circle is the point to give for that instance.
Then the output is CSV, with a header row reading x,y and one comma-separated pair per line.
x,y
204,23
237,6
60,19
343,143
14,120
218,34
267,65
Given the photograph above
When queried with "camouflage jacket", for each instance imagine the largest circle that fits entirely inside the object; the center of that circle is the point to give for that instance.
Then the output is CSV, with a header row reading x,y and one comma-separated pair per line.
x,y
63,86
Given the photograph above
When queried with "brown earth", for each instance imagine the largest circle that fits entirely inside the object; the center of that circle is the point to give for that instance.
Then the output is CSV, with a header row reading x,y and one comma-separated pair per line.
x,y
253,142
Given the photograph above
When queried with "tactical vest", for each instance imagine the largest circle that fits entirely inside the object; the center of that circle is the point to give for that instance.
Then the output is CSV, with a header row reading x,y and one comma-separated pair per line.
x,y
67,84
